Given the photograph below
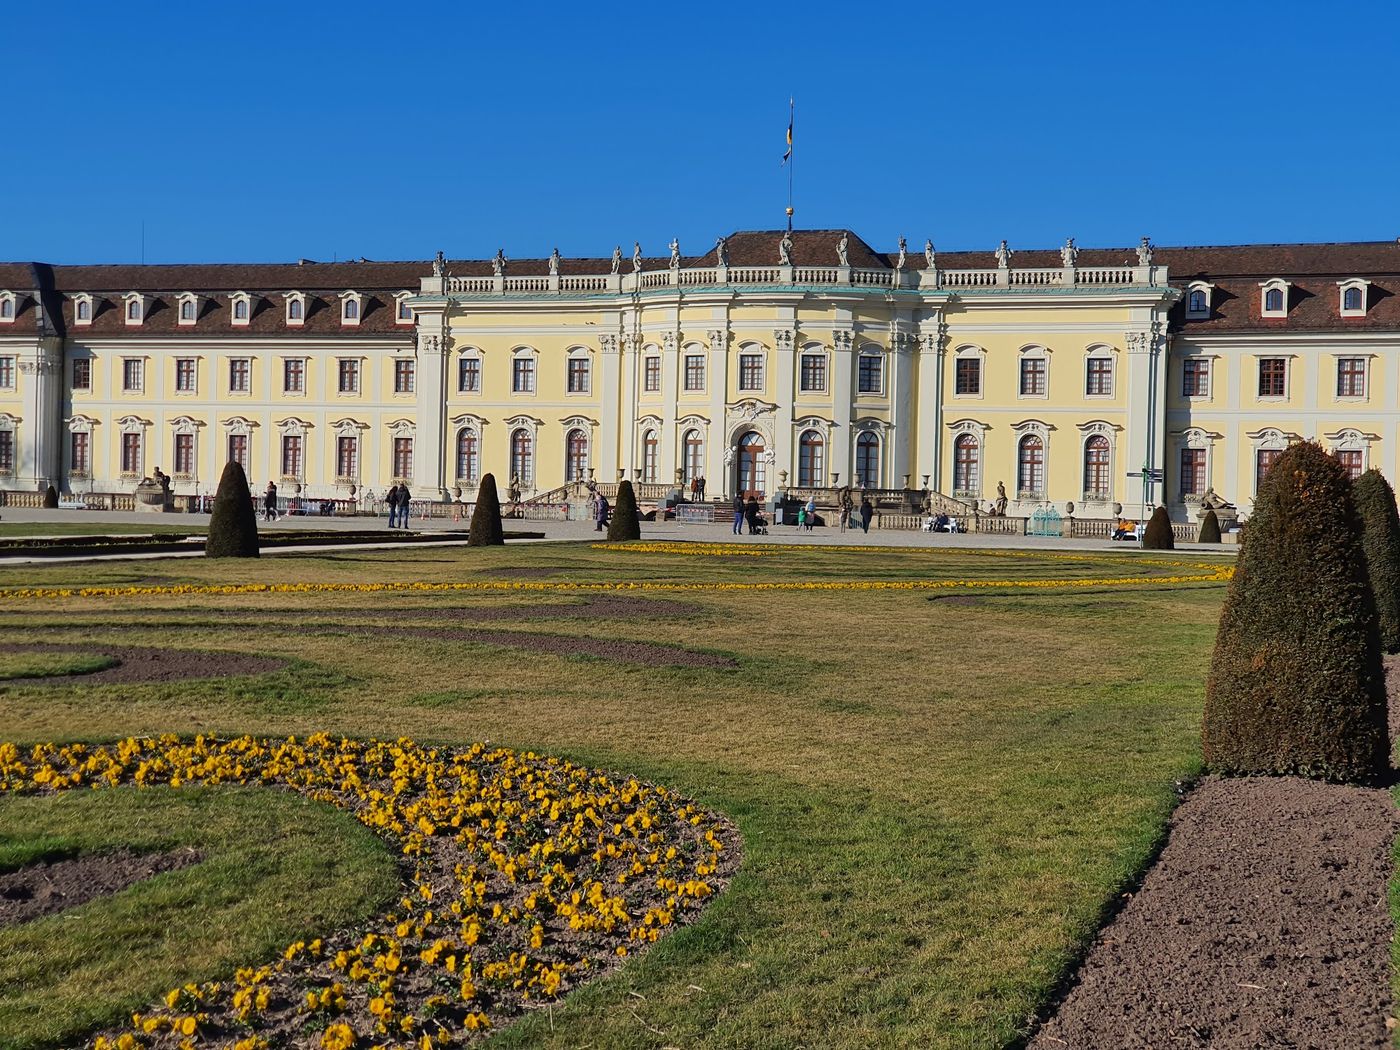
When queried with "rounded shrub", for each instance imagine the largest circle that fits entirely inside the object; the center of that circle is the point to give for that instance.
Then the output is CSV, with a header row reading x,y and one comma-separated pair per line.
x,y
1158,534
1210,528
623,525
51,498
1296,683
486,528
1380,542
233,524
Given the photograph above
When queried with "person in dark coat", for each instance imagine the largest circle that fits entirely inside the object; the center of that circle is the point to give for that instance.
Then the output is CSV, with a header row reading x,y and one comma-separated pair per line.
x,y
867,511
270,502
603,508
392,499
738,514
751,514
404,498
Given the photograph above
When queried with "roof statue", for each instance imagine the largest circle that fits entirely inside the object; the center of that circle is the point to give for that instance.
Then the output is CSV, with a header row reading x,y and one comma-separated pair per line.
x,y
841,249
930,256
617,260
636,256
721,252
439,265
554,263
498,263
903,255
785,250
675,247
1144,252
1003,255
1069,253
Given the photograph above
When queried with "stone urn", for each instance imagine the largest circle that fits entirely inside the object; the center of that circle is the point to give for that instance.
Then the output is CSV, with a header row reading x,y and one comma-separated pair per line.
x,y
153,498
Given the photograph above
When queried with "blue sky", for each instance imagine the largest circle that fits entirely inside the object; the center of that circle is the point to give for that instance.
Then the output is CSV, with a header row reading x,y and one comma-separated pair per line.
x,y
262,131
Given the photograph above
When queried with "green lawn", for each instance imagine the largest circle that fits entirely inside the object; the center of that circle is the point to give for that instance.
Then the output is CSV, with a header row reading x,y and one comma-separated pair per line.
x,y
938,797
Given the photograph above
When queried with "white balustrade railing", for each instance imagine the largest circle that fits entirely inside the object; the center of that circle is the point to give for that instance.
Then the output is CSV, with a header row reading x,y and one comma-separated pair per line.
x,y
755,274
1036,278
1121,275
598,283
968,278
817,275
873,278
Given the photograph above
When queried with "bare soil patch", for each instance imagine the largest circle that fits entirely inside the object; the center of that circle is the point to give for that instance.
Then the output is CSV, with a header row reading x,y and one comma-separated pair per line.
x,y
644,653
137,664
57,885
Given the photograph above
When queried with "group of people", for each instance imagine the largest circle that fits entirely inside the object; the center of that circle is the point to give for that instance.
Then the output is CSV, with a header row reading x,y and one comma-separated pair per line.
x,y
697,489
940,522
398,500
746,511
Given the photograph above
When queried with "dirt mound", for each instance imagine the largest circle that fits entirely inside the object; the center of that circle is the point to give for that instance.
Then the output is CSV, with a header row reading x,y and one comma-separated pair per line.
x,y
57,885
144,664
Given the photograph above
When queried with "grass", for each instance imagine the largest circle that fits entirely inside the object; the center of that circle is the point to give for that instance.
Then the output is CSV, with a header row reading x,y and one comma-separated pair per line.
x,y
938,800
51,665
275,867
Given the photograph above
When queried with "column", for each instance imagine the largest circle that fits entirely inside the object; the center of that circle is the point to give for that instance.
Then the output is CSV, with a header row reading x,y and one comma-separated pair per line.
x,y
784,391
932,360
430,451
42,416
617,405
666,457
1144,441
842,366
901,432
718,474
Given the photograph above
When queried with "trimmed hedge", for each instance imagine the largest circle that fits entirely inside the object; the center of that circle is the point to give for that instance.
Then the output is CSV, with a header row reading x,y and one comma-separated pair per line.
x,y
233,523
1296,683
486,517
623,525
1210,528
1158,534
1380,541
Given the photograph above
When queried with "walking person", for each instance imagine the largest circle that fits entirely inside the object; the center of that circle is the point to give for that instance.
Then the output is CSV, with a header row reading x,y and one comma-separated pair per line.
x,y
404,499
811,512
602,519
867,511
270,502
738,514
392,499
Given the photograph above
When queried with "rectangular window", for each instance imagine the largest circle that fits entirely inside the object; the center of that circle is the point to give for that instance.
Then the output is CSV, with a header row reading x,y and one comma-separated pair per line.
x,y
1273,377
78,458
7,451
133,374
814,373
184,455
1195,377
1032,377
184,375
349,376
1263,460
403,457
293,375
239,374
653,375
870,374
967,376
1193,471
291,455
1351,377
1351,459
578,376
750,371
238,450
1098,377
7,373
522,375
82,373
131,453
403,377
469,375
347,456
695,371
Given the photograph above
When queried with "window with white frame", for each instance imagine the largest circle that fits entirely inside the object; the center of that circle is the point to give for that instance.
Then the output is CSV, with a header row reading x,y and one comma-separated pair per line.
x,y
1098,375
813,373
1275,298
469,374
347,456
404,377
868,460
82,373
82,309
135,308
967,467
7,307
576,455
1097,454
240,375
1193,472
1264,459
132,453
238,450
296,309
694,372
811,460
1351,377
522,374
468,455
350,308
1273,377
967,375
1353,297
1195,377
404,313
7,372
694,455
870,373
1353,459
651,374
189,308
522,457
133,374
750,371
7,450
1035,375
292,455
293,375
1030,467
184,456
242,308
649,456
1198,295
80,453
348,375
185,372
579,372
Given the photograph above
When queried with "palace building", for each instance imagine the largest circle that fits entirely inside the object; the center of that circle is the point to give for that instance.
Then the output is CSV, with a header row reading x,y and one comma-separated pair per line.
x,y
1115,376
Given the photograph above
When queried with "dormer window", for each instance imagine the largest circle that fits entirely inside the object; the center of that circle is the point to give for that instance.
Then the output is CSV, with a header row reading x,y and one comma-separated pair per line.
x,y
189,308
350,308
82,309
7,307
135,307
403,313
1275,300
296,309
1198,299
1353,294
241,308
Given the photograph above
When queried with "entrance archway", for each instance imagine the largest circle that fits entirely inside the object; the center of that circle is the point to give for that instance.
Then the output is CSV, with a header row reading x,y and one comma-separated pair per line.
x,y
750,478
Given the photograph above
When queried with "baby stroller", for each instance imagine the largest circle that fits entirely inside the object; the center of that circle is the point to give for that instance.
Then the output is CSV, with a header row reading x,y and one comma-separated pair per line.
x,y
758,525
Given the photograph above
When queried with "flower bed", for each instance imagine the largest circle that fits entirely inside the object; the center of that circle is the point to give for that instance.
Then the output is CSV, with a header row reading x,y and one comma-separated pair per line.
x,y
524,877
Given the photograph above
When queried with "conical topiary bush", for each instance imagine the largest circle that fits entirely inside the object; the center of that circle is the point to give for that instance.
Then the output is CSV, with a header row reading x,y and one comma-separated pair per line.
x,y
1158,534
1380,541
51,498
1296,683
233,524
1210,528
486,518
623,525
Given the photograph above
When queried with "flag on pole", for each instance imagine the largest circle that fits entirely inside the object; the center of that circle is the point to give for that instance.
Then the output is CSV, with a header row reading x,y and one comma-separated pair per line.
x,y
787,156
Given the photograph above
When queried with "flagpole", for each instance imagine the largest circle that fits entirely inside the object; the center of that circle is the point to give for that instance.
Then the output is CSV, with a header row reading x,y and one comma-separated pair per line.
x,y
791,115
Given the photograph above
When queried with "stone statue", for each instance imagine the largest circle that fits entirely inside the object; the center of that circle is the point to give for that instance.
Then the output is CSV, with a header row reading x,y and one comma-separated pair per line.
x,y
439,265
675,247
903,255
498,264
1212,500
514,491
841,247
721,252
845,499
617,260
1003,256
636,256
163,480
554,263
785,250
1000,508
930,256
1144,252
1069,253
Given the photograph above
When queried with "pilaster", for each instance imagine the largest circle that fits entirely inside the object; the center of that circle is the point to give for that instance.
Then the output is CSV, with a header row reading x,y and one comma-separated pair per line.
x,y
42,417
933,349
842,407
430,452
666,457
901,434
717,477
784,393
618,404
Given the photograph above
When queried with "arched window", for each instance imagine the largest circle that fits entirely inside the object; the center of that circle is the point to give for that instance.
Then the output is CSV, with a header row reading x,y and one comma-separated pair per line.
x,y
522,457
1096,482
1030,470
967,466
694,456
7,309
352,310
868,460
84,310
187,310
811,460
752,477
133,311
240,310
467,455
1351,299
649,457
1273,300
1196,302
294,310
576,455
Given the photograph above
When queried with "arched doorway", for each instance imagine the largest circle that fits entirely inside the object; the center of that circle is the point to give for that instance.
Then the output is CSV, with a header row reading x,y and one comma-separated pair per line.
x,y
750,479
